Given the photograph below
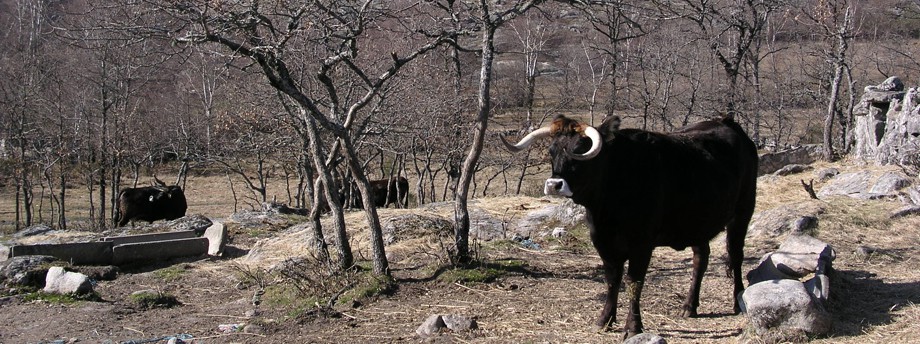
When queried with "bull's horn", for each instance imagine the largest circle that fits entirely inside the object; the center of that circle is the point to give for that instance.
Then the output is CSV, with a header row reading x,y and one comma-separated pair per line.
x,y
527,140
596,144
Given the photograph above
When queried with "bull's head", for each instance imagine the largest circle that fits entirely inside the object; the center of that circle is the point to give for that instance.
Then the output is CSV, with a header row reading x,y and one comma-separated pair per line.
x,y
573,146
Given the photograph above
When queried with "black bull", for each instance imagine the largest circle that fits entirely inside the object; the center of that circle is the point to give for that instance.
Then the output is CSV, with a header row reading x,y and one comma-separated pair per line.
x,y
150,203
643,189
384,191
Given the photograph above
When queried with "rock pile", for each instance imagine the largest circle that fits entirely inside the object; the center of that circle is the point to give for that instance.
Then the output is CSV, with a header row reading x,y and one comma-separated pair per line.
x,y
779,305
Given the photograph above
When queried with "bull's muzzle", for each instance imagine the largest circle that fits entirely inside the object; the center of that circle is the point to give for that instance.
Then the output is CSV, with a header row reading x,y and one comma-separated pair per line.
x,y
557,187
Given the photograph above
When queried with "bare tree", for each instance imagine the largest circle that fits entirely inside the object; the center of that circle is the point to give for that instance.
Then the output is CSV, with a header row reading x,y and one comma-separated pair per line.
x,y
489,20
834,19
336,79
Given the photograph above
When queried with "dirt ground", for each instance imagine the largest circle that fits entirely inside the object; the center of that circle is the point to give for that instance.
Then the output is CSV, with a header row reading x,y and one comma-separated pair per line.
x,y
549,294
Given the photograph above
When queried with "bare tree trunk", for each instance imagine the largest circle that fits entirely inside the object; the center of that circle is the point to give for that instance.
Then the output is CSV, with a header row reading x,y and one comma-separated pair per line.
x,y
461,209
829,115
381,265
346,259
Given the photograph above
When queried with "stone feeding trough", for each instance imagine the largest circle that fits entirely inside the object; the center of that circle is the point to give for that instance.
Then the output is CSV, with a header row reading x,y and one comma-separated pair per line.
x,y
129,249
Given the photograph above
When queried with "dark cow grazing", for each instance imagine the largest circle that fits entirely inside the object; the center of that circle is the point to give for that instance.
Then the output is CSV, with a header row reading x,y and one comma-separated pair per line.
x,y
151,203
643,190
386,191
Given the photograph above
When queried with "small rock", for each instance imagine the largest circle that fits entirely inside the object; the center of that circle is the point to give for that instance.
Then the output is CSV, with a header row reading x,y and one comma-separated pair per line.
x,y
805,224
63,282
431,326
459,323
254,329
251,313
559,232
645,338
826,174
792,169
905,211
819,287
217,235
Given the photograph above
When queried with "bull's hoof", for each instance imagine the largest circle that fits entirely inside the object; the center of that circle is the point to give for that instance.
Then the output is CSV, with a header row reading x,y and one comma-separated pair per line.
x,y
688,312
606,323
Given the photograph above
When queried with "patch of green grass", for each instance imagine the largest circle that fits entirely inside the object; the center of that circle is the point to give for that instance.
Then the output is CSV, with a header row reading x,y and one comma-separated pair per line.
x,y
369,285
171,274
483,273
287,297
150,300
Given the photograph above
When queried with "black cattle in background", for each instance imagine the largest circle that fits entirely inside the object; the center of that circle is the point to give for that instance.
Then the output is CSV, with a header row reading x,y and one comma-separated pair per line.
x,y
151,203
385,192
643,190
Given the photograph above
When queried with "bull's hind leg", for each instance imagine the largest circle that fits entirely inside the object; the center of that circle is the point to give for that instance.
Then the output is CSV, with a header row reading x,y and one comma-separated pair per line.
x,y
700,264
734,242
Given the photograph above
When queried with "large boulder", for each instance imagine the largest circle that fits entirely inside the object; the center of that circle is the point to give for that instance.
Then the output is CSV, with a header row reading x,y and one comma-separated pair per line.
x,y
63,282
783,309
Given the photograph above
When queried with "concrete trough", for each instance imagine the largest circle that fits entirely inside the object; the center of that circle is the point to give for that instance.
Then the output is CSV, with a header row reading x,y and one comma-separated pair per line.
x,y
140,238
83,253
159,250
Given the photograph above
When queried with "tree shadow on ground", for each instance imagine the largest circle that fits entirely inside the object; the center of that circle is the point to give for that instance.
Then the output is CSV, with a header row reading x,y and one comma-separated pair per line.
x,y
860,301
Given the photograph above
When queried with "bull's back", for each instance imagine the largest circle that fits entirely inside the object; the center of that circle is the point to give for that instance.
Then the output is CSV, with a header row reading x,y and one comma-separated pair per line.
x,y
693,185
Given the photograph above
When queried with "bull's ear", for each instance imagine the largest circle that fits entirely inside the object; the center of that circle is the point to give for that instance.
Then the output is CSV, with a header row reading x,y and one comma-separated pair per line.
x,y
609,127
150,199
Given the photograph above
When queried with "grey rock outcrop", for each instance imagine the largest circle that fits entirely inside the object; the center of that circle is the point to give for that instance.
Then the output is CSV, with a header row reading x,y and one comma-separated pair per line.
x,y
59,281
774,161
866,185
887,128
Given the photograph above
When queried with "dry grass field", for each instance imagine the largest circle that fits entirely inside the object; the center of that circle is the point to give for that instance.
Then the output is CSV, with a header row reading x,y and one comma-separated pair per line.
x,y
518,294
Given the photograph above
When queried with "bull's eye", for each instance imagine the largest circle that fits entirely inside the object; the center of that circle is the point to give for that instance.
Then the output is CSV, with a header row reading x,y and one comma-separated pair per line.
x,y
151,198
581,146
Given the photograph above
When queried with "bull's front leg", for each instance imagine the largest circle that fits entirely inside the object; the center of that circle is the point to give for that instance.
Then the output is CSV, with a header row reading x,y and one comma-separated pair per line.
x,y
613,275
635,279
